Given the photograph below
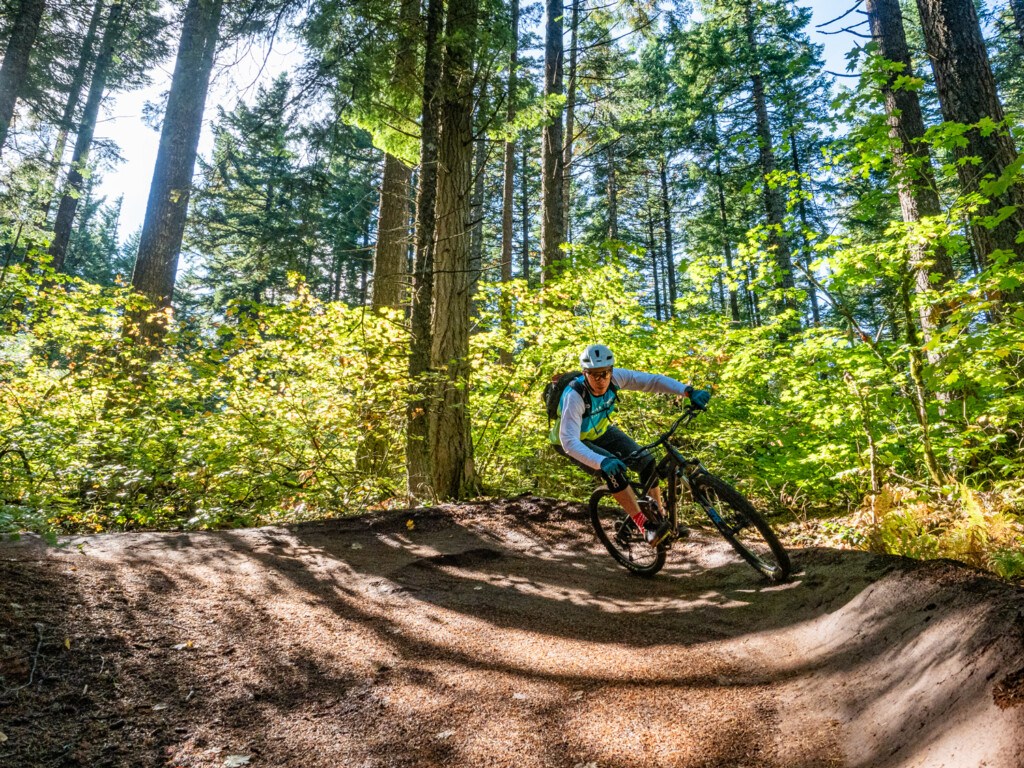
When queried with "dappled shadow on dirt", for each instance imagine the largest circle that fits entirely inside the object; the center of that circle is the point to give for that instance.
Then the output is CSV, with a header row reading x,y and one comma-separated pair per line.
x,y
496,633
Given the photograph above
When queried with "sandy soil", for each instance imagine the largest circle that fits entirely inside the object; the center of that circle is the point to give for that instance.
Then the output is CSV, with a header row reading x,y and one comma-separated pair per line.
x,y
495,634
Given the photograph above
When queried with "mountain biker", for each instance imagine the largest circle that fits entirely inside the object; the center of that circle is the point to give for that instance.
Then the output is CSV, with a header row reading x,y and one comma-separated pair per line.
x,y
585,435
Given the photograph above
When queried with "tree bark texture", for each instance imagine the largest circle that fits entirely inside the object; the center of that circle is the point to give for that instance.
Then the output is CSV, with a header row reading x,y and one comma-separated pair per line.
x,y
774,204
157,263
967,94
652,249
805,256
914,180
508,188
85,60
734,307
524,213
15,67
451,441
476,247
570,116
417,445
389,253
552,230
612,192
83,141
666,223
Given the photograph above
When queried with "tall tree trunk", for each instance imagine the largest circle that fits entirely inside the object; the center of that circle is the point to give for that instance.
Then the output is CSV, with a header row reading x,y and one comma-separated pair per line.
x,y
967,93
418,444
85,60
508,187
666,223
14,70
524,213
805,255
570,117
476,247
164,225
734,306
914,180
652,249
451,441
83,142
612,192
774,204
552,230
389,254
752,298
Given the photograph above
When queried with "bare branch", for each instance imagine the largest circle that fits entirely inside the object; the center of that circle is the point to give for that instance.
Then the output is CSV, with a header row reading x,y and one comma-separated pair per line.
x,y
840,18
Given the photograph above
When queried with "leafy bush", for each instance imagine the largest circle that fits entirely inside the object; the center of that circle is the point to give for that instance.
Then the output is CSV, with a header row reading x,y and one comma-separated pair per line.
x,y
279,413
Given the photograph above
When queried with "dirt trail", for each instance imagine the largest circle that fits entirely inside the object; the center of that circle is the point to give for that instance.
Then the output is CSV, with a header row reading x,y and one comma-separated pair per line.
x,y
495,634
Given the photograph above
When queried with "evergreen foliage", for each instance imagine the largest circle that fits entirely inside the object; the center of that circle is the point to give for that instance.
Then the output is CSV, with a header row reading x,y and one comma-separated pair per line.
x,y
734,220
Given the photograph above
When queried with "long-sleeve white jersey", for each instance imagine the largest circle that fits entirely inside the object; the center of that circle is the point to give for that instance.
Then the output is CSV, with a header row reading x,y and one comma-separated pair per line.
x,y
572,431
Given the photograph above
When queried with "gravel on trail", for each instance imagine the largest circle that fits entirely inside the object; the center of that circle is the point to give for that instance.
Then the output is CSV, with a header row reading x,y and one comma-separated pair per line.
x,y
497,633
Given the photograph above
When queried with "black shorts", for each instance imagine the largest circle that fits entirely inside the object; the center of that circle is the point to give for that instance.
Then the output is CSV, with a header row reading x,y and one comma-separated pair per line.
x,y
616,443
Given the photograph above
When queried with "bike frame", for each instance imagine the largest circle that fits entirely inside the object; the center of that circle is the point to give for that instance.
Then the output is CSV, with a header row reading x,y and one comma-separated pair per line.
x,y
672,464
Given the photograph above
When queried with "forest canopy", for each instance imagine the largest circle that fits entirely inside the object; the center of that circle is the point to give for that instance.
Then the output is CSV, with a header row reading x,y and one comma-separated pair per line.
x,y
355,296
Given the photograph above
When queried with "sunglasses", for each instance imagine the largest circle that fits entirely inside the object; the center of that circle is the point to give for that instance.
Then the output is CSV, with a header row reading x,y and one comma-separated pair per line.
x,y
600,375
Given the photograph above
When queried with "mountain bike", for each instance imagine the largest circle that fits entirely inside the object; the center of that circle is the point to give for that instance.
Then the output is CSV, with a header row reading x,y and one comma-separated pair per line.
x,y
733,516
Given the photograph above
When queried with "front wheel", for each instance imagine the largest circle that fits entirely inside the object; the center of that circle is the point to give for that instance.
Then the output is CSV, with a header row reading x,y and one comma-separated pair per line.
x,y
621,537
742,526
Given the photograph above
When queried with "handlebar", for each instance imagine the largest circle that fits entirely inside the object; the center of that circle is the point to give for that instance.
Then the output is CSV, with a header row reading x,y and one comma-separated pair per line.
x,y
689,414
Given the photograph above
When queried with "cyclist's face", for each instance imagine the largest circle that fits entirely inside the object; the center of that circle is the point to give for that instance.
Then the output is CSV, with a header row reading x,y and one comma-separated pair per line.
x,y
599,379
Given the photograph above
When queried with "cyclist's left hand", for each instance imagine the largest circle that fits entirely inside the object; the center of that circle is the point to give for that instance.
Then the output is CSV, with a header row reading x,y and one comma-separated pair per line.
x,y
700,398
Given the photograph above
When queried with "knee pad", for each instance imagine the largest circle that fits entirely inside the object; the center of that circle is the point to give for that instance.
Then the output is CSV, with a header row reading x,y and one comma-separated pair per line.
x,y
616,482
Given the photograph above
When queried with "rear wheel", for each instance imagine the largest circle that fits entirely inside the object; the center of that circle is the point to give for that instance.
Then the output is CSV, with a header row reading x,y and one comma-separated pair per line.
x,y
622,537
742,526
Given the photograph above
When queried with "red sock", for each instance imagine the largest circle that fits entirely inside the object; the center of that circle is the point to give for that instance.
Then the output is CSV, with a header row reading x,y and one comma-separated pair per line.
x,y
640,519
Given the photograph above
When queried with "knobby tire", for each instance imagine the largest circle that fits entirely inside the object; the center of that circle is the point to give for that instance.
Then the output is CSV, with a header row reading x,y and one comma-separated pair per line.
x,y
621,537
743,527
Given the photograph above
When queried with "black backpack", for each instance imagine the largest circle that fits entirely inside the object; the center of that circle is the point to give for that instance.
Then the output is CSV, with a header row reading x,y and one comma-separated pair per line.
x,y
554,389
553,392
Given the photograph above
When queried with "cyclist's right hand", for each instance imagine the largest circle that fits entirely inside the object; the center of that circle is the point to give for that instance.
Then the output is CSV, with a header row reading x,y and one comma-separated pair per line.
x,y
612,466
700,398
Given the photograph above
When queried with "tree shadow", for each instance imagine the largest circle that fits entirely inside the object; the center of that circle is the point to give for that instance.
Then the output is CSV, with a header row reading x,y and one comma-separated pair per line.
x,y
480,629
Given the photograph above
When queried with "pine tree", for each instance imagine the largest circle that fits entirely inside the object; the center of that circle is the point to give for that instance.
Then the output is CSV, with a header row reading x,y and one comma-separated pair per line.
x,y
553,220
451,442
914,176
968,96
14,69
112,37
162,232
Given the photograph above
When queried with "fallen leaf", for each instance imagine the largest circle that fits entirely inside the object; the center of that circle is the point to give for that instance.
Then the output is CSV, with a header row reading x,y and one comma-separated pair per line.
x,y
445,735
183,646
158,707
410,524
357,545
235,761
67,643
3,737
519,696
577,696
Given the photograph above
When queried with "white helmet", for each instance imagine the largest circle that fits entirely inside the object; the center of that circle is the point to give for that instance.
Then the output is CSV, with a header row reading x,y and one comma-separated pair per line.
x,y
596,356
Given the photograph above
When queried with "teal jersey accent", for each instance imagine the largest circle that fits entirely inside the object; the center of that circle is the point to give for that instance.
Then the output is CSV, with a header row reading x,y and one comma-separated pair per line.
x,y
596,414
